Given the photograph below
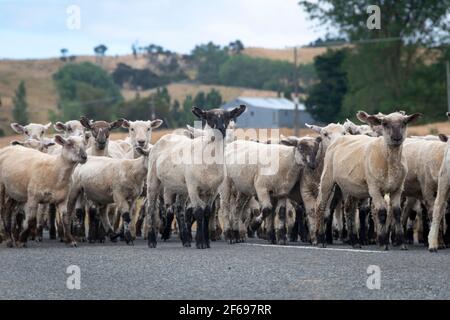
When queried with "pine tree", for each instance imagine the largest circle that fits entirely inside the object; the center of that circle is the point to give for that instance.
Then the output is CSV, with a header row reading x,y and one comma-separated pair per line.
x,y
20,104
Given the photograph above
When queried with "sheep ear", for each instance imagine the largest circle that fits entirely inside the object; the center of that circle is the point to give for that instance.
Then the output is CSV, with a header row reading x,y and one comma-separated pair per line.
x,y
87,136
292,142
60,140
17,127
319,139
413,117
199,113
49,143
60,127
116,124
369,119
156,123
443,137
48,125
447,114
236,112
16,143
314,128
125,124
143,152
85,122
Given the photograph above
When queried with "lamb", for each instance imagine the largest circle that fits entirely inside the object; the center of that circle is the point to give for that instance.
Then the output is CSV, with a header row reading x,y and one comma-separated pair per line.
x,y
31,131
250,173
70,128
424,160
310,179
196,175
106,180
441,200
365,167
140,135
100,131
32,177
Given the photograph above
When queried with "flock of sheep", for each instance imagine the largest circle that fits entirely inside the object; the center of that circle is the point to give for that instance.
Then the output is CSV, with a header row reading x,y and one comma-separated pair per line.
x,y
360,184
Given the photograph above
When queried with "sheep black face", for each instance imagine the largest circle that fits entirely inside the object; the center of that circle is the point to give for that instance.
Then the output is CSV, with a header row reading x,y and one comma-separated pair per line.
x,y
100,130
393,125
218,119
305,149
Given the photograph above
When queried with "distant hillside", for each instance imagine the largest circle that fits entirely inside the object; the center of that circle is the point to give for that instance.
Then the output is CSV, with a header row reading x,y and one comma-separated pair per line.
x,y
42,95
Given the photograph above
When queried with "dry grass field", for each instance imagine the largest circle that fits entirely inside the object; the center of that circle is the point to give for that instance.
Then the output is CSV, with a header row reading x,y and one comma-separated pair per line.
x,y
304,55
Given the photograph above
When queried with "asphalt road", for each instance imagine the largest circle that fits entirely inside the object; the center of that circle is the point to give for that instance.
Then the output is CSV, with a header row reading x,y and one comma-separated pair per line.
x,y
253,270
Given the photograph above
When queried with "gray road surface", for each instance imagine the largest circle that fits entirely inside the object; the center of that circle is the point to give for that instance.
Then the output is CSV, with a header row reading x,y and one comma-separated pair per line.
x,y
253,270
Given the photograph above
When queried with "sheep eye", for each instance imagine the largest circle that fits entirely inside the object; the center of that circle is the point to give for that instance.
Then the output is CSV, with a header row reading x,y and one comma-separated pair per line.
x,y
132,129
26,132
148,129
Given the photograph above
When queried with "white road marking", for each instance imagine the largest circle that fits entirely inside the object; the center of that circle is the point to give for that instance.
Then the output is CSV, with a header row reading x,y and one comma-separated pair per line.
x,y
313,248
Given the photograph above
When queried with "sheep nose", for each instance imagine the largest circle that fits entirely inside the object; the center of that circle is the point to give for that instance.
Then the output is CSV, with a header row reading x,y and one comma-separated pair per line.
x,y
141,143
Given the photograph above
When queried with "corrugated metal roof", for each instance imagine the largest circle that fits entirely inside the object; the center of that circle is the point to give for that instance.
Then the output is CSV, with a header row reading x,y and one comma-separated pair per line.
x,y
271,103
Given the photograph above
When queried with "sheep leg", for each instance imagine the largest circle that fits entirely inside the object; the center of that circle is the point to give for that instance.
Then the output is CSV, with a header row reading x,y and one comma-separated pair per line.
x,y
280,222
225,208
270,229
52,221
447,226
6,219
104,222
140,219
153,220
409,214
40,220
238,212
438,210
29,223
265,203
180,202
189,220
349,212
381,215
309,201
396,198
325,191
364,212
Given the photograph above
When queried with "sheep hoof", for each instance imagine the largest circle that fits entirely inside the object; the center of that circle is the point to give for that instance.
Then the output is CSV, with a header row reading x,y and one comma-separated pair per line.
x,y
151,244
386,247
356,246
9,244
73,244
127,237
21,245
403,247
187,244
433,250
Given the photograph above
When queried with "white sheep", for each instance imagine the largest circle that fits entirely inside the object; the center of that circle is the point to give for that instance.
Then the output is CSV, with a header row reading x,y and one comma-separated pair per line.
x,y
32,177
33,130
104,181
197,178
363,167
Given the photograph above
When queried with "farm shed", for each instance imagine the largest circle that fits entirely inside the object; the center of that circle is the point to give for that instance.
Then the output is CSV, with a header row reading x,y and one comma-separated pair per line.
x,y
269,113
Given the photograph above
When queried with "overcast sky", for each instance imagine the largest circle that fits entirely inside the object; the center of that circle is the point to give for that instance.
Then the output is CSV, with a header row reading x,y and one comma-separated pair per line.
x,y
36,29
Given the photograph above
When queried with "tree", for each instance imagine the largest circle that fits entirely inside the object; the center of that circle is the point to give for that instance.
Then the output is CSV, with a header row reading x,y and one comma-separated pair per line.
x,y
20,104
208,58
64,52
325,97
86,89
236,47
381,66
200,100
100,50
213,99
